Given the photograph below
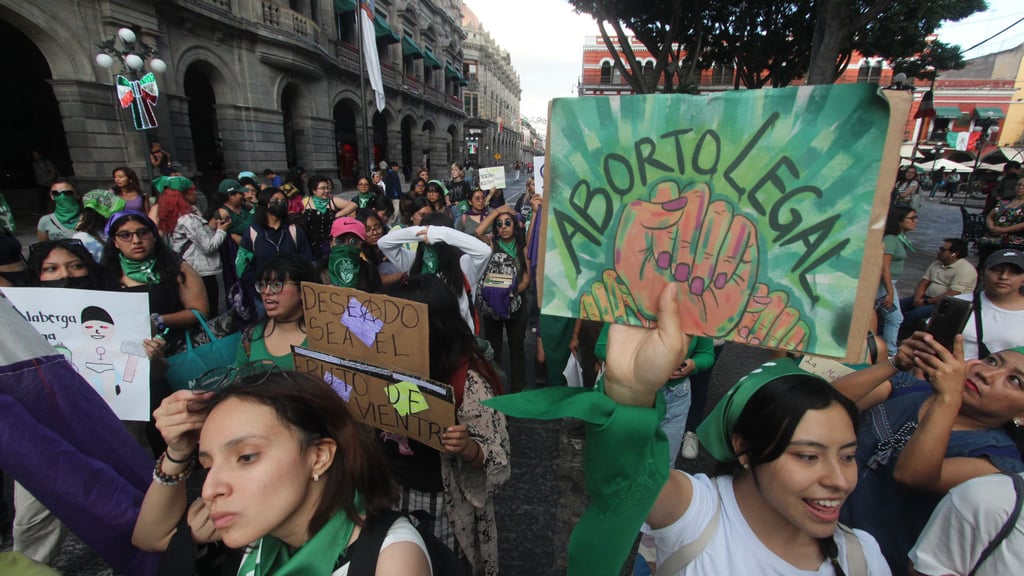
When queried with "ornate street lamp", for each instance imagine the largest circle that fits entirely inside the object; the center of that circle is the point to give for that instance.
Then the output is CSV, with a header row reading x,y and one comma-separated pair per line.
x,y
138,93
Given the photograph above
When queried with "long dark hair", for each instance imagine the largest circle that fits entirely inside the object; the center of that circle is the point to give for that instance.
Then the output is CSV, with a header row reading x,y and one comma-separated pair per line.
x,y
450,341
39,251
262,202
287,267
448,266
433,186
92,223
896,215
411,205
311,408
168,264
133,180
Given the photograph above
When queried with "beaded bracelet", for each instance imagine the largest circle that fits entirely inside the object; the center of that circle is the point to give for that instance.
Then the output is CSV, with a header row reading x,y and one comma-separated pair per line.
x,y
164,479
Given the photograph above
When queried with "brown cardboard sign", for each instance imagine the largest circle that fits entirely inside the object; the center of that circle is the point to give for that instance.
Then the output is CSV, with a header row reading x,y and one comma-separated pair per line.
x,y
371,328
391,401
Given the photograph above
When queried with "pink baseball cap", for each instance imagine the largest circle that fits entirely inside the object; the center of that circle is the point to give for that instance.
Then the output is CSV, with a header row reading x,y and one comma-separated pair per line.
x,y
347,225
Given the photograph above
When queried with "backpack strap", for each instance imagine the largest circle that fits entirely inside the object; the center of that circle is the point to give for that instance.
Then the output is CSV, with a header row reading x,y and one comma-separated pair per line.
x,y
1011,522
983,351
363,553
683,556
856,561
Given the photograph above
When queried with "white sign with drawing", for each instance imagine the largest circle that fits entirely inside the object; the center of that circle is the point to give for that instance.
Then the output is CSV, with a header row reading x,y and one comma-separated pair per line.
x,y
101,334
538,174
493,177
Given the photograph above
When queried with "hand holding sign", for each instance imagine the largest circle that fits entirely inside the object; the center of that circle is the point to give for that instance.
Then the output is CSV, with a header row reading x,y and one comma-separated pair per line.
x,y
685,238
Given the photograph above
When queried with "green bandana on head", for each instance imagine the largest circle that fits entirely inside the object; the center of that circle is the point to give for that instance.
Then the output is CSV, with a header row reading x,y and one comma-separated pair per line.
x,y
179,183
140,271
343,266
159,183
715,433
270,556
430,260
104,202
1018,349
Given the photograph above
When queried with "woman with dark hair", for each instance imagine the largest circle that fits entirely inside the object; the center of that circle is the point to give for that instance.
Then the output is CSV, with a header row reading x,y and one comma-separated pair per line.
x,y
271,234
319,210
197,238
458,259
294,189
98,205
456,485
67,209
375,229
437,197
62,264
283,324
501,299
127,186
384,208
908,189
136,259
418,187
291,477
785,438
366,192
901,219
474,214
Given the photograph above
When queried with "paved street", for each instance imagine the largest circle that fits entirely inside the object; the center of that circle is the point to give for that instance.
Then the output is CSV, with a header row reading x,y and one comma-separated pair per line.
x,y
540,503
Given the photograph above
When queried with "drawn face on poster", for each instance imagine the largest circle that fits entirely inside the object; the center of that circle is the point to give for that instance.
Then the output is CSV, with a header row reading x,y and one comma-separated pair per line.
x,y
101,334
758,202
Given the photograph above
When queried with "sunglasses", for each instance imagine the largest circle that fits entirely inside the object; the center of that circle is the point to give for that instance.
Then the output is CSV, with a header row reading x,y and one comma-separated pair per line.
x,y
141,234
41,249
273,286
503,224
55,193
249,374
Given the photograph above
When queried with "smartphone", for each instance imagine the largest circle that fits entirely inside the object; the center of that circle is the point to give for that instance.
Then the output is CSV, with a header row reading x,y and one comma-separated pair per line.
x,y
949,319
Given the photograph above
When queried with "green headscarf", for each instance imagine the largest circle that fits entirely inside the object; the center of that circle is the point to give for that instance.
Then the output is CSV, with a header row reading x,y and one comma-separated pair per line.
x,y
715,432
179,183
104,202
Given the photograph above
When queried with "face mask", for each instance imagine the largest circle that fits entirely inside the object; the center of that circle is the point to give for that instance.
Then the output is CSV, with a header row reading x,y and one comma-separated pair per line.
x,y
343,265
77,282
67,210
430,260
279,209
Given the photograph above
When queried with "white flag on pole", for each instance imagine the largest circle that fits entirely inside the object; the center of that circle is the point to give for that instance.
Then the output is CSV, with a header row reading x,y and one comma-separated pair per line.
x,y
367,15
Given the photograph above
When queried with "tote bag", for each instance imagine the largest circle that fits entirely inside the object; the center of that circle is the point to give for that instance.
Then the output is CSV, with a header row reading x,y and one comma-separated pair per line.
x,y
195,361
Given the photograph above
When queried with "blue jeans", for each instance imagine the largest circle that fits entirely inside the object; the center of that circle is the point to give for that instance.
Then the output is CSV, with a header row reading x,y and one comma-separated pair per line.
x,y
912,315
677,406
891,318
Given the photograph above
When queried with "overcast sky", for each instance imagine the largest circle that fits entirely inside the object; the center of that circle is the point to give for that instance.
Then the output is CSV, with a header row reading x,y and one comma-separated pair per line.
x,y
545,40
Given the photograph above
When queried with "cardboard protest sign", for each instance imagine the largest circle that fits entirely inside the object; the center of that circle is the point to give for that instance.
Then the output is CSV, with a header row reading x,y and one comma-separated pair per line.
x,y
493,177
101,334
538,174
767,206
825,367
372,328
401,404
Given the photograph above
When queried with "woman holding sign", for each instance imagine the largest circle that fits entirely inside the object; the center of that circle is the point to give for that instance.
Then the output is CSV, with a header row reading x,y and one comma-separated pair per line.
x,y
456,486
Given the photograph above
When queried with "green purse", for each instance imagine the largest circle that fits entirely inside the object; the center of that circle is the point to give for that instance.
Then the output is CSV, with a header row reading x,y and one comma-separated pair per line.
x,y
196,360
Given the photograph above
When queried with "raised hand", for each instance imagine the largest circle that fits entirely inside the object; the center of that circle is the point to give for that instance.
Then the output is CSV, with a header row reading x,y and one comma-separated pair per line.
x,y
199,523
179,426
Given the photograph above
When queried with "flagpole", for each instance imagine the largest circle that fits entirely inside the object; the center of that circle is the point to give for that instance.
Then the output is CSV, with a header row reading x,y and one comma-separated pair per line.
x,y
362,92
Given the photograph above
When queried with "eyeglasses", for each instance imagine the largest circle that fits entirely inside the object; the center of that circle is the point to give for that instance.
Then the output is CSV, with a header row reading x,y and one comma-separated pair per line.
x,y
248,374
911,218
274,287
378,229
68,192
141,234
362,184
323,188
503,224
41,249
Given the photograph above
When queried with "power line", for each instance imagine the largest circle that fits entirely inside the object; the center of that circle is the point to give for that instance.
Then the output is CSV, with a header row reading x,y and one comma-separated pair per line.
x,y
992,37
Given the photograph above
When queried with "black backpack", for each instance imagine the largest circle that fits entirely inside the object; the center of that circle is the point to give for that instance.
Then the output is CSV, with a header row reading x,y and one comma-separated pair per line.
x,y
364,551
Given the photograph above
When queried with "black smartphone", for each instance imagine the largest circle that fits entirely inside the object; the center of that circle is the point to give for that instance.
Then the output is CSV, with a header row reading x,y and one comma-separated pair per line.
x,y
949,319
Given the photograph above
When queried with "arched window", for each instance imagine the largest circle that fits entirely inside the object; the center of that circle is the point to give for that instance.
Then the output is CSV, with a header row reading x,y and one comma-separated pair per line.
x,y
606,73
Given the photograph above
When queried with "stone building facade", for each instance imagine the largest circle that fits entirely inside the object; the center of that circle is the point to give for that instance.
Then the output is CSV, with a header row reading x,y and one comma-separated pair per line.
x,y
250,84
491,98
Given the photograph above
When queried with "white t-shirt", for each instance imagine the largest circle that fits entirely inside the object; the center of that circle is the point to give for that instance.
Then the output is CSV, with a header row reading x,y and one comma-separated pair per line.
x,y
962,526
1000,327
735,549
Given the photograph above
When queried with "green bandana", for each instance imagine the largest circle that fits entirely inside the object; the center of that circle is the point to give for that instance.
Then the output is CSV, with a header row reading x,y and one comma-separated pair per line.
x,y
104,202
624,468
343,266
179,183
140,271
715,432
508,247
321,204
159,183
364,200
270,556
429,260
67,211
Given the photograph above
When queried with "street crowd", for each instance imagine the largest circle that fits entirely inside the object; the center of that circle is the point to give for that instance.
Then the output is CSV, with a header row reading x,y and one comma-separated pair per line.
x,y
909,464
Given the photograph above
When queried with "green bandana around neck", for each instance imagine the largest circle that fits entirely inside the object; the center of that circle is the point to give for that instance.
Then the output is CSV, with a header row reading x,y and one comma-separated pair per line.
x,y
67,210
430,260
364,200
715,432
272,557
624,467
321,204
140,271
343,266
906,242
509,247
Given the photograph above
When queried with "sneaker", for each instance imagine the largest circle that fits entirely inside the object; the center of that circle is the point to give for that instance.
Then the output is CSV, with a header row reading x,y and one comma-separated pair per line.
x,y
691,446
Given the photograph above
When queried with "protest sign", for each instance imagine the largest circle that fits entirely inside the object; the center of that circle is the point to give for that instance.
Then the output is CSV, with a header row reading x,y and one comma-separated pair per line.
x,y
538,175
402,404
825,367
371,328
493,177
766,206
101,334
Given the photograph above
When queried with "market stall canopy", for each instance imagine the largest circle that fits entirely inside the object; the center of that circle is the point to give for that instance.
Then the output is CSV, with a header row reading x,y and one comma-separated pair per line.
x,y
948,165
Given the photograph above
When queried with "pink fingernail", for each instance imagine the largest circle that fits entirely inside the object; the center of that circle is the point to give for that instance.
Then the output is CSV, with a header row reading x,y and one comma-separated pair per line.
x,y
720,280
744,332
677,204
664,259
682,273
697,286
755,341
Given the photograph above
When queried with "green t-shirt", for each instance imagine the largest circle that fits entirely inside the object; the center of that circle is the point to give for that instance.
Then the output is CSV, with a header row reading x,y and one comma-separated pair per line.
x,y
258,351
897,248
